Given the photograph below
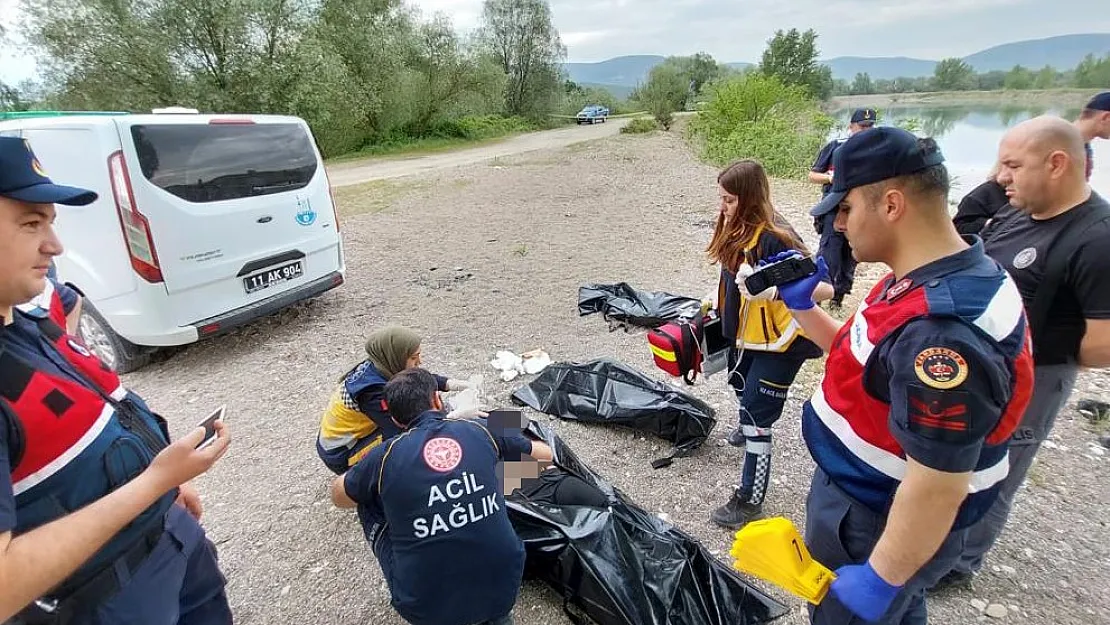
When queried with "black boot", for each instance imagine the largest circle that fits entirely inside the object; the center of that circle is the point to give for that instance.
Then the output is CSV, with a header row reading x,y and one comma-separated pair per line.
x,y
736,513
953,580
837,302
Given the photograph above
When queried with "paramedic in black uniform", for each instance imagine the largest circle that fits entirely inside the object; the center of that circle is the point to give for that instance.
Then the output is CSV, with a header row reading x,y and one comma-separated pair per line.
x,y
432,509
834,246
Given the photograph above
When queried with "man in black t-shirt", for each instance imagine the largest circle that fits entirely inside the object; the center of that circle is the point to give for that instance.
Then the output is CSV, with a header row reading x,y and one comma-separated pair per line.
x,y
834,245
1042,169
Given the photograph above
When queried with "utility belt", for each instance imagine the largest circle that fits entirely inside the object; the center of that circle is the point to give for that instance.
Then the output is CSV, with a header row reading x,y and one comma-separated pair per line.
x,y
73,603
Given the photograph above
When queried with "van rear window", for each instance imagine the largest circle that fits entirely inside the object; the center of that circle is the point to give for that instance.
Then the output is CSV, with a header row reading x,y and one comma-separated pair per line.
x,y
214,162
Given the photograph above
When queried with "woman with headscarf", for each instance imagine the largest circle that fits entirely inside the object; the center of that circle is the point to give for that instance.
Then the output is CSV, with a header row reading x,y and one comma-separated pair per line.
x,y
357,418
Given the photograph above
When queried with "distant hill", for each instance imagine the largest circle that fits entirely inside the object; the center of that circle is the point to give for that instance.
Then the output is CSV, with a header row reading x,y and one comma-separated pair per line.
x,y
888,67
740,65
628,71
621,92
623,73
1063,52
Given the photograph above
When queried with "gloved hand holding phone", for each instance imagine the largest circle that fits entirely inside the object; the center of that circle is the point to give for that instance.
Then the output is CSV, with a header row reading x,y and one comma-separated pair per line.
x,y
798,295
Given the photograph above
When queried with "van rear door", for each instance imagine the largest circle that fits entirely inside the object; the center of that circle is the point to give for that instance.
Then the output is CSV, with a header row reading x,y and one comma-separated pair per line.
x,y
234,210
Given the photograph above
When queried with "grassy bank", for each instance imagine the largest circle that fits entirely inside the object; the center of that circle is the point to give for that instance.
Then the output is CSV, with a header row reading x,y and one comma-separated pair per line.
x,y
1065,98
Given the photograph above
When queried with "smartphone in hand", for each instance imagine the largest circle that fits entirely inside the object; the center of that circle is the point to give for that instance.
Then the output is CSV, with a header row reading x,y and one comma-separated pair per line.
x,y
209,425
779,273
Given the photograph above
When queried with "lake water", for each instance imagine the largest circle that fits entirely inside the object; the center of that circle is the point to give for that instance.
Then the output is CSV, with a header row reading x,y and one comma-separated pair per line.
x,y
969,137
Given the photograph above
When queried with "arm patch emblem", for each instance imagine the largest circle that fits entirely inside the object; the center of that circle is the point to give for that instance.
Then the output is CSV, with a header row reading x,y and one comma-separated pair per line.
x,y
940,367
940,416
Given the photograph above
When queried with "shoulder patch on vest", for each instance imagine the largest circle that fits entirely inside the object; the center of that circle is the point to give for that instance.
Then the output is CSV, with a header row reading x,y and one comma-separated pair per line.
x,y
940,367
442,454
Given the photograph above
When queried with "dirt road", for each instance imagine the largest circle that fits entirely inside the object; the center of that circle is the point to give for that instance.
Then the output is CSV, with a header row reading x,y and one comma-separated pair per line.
x,y
346,174
490,256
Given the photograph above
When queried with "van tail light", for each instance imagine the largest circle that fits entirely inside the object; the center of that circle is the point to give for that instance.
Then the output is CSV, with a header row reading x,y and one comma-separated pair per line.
x,y
136,228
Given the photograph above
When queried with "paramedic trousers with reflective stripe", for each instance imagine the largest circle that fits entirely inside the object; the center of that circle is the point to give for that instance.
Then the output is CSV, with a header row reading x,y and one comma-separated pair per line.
x,y
341,459
761,382
840,531
1052,384
179,583
837,252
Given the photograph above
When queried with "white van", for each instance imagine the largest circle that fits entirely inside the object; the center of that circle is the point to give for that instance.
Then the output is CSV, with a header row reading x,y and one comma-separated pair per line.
x,y
204,222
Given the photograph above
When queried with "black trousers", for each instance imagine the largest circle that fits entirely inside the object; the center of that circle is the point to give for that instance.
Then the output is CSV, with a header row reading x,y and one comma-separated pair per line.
x,y
838,255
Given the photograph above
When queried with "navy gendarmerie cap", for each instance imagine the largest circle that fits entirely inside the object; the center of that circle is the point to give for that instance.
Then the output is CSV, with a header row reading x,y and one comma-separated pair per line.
x,y
875,155
1100,102
865,117
23,178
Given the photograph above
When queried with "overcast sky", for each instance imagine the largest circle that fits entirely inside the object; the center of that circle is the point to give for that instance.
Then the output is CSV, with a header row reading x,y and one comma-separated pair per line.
x,y
737,30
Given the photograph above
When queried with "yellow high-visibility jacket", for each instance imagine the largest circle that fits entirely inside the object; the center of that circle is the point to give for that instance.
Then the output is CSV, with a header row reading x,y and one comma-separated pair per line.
x,y
769,326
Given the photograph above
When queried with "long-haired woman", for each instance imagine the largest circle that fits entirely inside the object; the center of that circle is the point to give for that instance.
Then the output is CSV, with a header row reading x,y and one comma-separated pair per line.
x,y
769,346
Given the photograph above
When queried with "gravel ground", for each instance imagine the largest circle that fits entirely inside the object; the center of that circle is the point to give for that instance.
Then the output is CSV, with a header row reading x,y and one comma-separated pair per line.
x,y
490,257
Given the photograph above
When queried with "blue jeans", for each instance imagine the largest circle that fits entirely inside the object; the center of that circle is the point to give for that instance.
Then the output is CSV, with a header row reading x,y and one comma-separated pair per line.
x,y
840,531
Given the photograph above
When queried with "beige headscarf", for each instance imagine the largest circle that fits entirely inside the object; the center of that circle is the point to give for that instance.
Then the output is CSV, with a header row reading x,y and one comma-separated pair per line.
x,y
390,347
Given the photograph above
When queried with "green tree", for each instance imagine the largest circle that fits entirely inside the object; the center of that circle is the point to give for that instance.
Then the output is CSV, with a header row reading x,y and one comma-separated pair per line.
x,y
792,57
1093,73
1046,78
123,60
953,74
991,81
520,35
1019,78
664,93
758,116
373,39
862,84
698,70
446,75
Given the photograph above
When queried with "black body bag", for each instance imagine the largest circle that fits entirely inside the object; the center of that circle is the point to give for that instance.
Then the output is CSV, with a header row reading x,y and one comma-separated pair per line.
x,y
610,392
620,304
615,563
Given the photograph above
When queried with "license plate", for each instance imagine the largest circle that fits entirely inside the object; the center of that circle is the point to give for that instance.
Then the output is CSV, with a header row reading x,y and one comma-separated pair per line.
x,y
277,275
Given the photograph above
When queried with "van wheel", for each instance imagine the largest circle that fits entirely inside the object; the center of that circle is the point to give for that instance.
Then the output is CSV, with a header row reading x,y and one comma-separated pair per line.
x,y
121,355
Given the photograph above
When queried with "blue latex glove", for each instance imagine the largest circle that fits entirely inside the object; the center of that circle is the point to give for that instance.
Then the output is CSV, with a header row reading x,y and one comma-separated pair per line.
x,y
862,591
798,295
